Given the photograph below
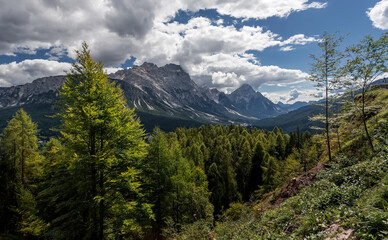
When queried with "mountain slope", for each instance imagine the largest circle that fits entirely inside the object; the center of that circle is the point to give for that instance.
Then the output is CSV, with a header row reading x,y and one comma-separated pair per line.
x,y
294,106
248,102
292,120
164,96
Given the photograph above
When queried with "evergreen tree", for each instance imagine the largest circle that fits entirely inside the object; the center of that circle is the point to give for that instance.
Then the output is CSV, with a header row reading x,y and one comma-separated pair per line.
x,y
243,170
60,202
255,177
21,159
157,168
175,186
106,141
216,187
280,147
223,158
270,172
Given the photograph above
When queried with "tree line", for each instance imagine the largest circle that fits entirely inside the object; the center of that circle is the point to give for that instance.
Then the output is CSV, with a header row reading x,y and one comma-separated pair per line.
x,y
104,178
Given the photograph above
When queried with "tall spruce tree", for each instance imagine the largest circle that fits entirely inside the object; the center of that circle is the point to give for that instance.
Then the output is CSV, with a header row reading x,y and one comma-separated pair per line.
x,y
325,71
106,141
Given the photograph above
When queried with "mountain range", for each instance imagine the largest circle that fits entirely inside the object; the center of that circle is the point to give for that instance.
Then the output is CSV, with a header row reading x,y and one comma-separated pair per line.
x,y
164,96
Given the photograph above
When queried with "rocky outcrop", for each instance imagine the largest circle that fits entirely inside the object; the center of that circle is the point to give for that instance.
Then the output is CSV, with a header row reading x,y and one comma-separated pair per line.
x,y
167,91
251,103
335,232
42,90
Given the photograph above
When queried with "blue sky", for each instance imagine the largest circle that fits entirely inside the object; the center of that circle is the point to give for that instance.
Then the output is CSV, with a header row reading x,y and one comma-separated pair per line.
x,y
222,44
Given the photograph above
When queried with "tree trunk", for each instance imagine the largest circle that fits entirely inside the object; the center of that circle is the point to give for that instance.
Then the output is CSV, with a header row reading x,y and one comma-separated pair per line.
x,y
364,122
159,203
102,193
101,207
327,117
93,187
338,139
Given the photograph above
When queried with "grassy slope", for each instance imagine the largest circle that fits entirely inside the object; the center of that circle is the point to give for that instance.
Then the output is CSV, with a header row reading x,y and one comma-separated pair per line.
x,y
351,192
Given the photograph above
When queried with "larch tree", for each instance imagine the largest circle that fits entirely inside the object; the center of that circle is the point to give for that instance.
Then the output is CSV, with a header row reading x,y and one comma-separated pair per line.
x,y
244,165
19,143
176,187
325,71
157,168
106,141
366,62
256,174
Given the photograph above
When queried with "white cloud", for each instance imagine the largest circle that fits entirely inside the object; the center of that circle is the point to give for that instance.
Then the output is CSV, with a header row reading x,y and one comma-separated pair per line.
x,y
379,14
286,48
290,97
243,8
117,29
294,94
28,70
110,70
216,55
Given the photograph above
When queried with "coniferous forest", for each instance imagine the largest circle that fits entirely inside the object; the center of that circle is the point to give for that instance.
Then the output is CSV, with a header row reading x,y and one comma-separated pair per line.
x,y
104,177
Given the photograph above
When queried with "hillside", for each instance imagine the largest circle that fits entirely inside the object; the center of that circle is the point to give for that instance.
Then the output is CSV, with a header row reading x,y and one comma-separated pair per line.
x,y
343,199
292,120
105,178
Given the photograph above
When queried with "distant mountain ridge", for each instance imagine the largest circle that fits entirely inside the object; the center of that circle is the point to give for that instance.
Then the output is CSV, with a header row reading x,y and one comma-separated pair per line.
x,y
293,106
170,89
165,92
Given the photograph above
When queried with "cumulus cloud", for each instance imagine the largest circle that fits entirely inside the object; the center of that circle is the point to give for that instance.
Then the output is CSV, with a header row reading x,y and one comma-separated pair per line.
x,y
294,94
243,8
116,30
216,55
290,97
14,73
286,48
28,70
43,24
130,18
379,14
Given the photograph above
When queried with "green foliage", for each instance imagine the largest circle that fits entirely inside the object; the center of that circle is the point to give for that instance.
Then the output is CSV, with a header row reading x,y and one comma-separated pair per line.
x,y
176,187
234,159
22,169
366,62
350,193
100,180
103,141
325,71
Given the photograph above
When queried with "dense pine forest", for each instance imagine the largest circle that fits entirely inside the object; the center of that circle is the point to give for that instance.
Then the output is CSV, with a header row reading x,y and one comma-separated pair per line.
x,y
105,178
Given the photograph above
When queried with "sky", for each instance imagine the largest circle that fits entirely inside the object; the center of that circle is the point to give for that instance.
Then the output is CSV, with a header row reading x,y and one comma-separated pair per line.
x,y
221,44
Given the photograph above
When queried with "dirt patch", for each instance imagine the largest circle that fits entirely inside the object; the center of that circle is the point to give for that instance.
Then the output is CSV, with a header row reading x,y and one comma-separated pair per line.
x,y
290,189
296,184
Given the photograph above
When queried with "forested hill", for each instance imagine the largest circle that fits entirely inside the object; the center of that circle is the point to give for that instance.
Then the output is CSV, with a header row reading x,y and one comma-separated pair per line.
x,y
103,177
244,179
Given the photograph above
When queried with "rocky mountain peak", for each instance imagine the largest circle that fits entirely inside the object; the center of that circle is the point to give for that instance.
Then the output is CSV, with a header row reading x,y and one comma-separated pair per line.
x,y
173,67
166,90
147,65
244,90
